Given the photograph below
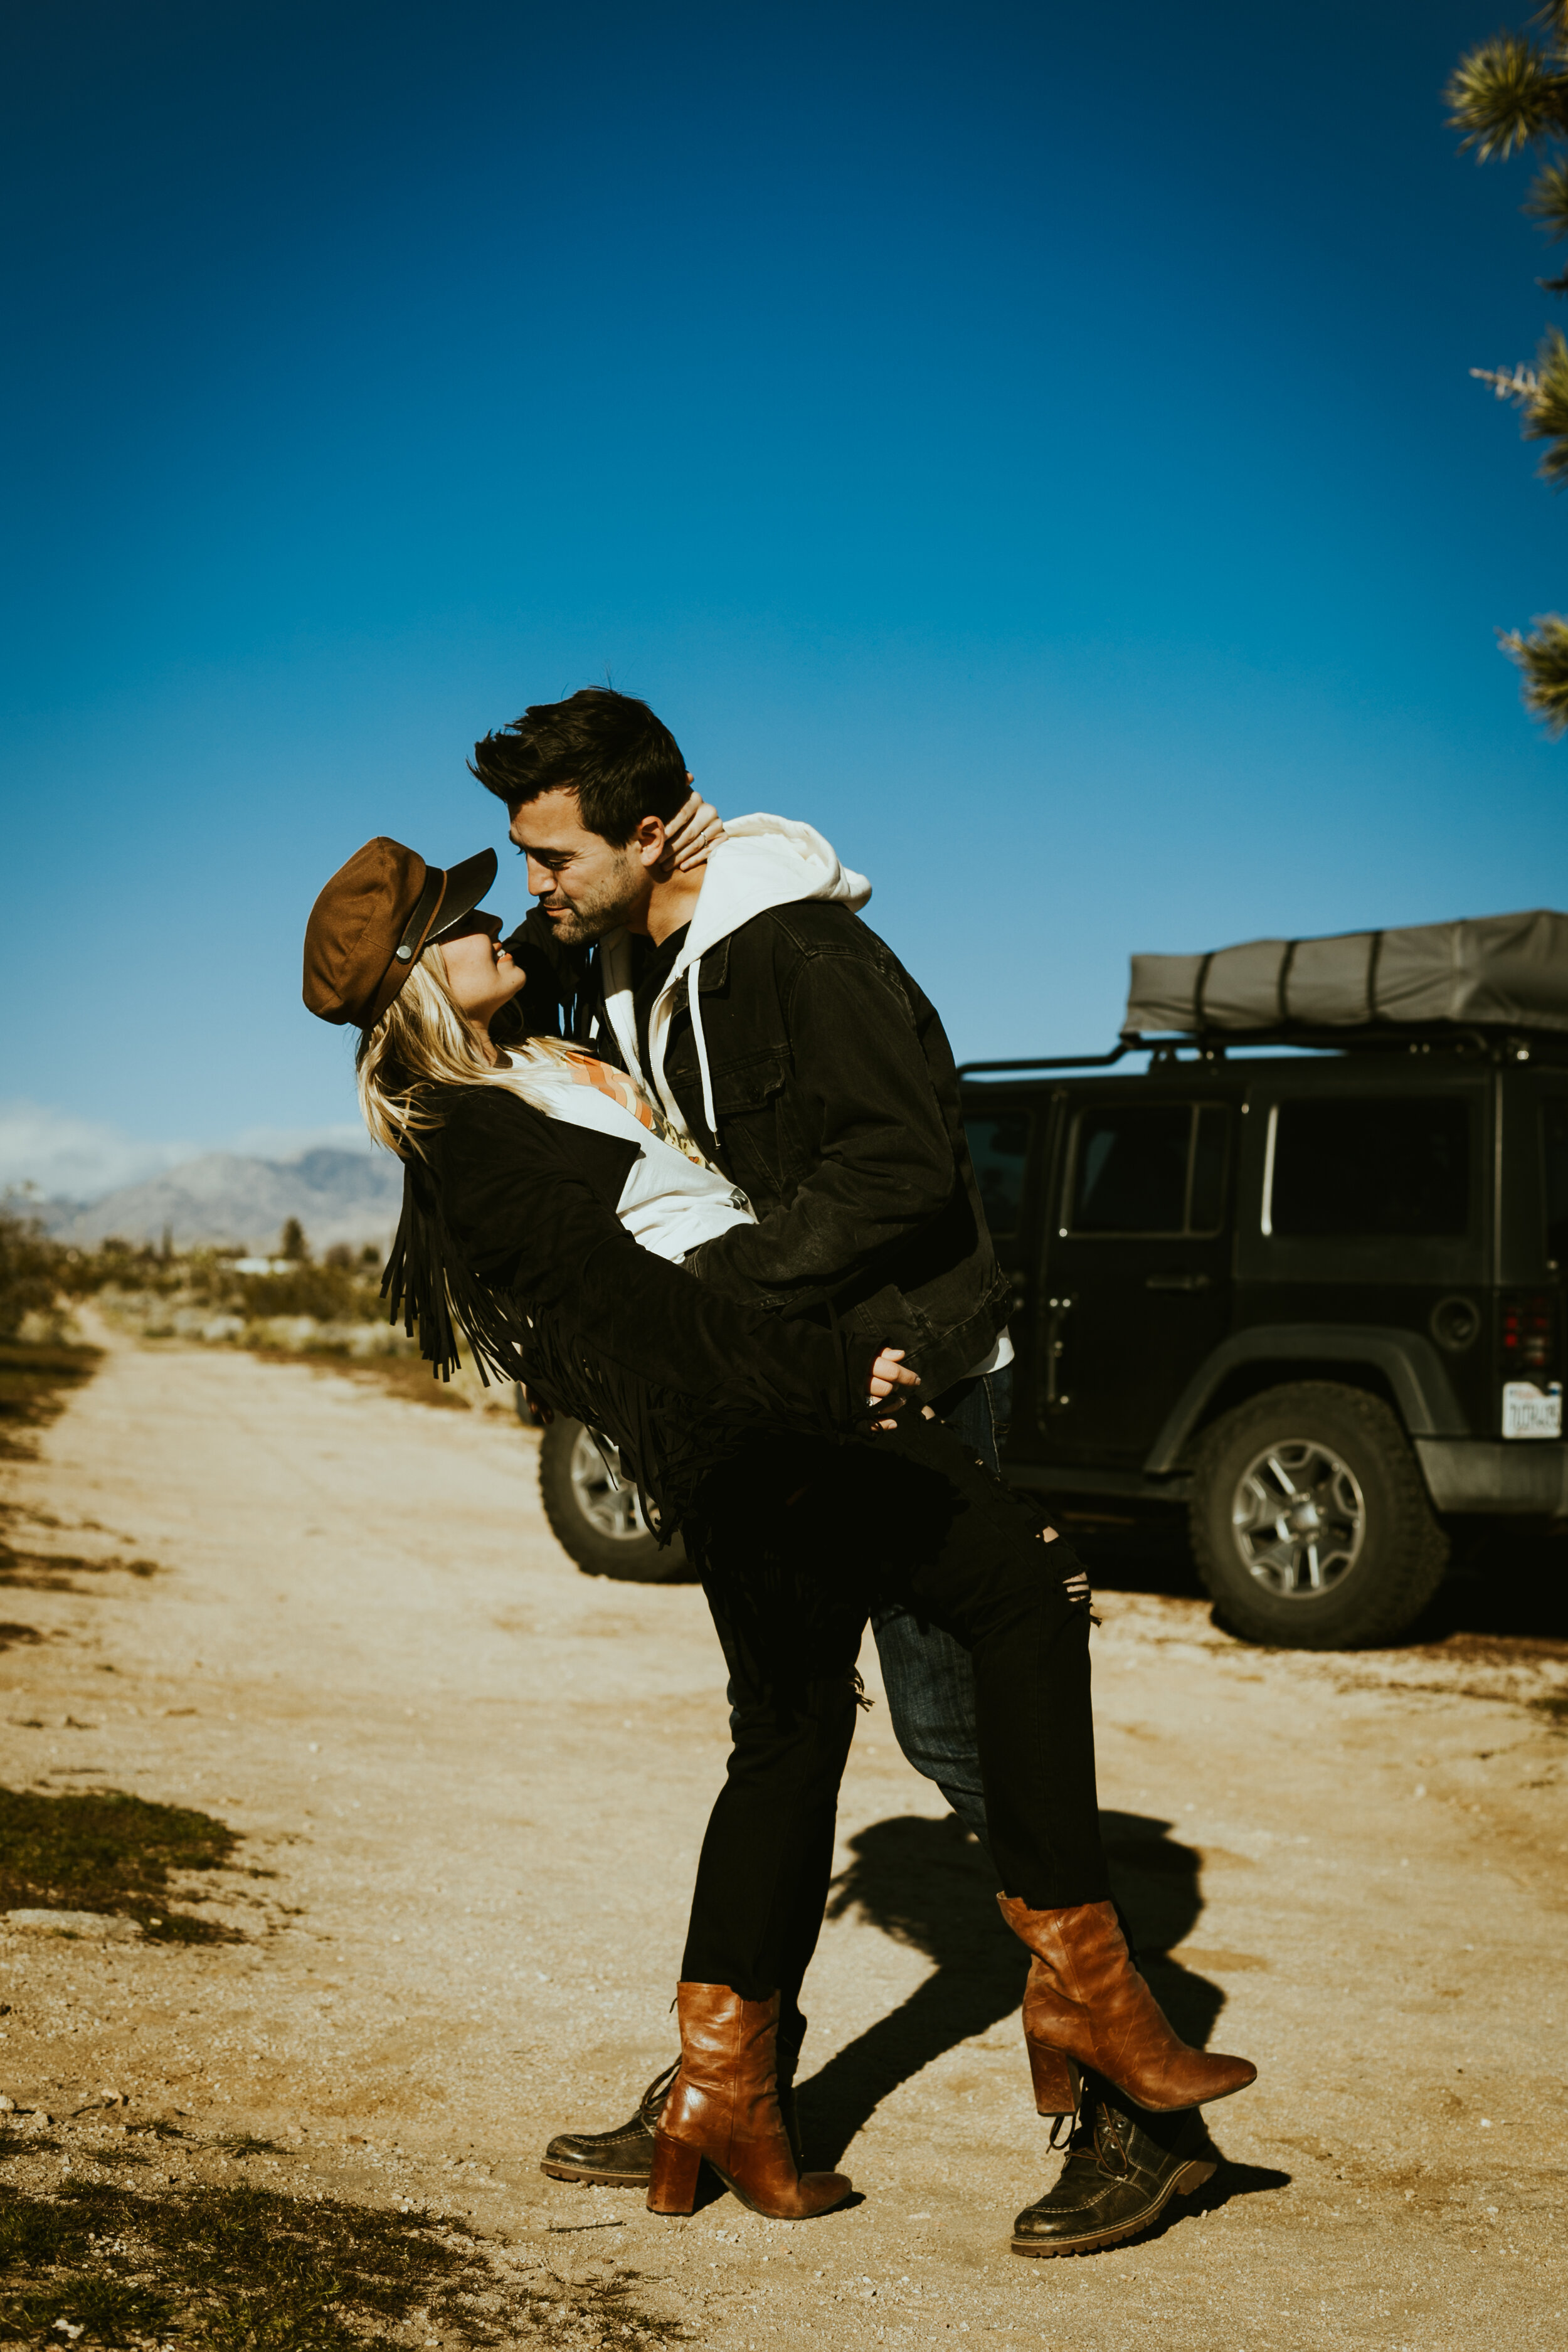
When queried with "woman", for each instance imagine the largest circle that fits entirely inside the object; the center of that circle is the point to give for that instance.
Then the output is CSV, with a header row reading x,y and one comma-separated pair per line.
x,y
526,1176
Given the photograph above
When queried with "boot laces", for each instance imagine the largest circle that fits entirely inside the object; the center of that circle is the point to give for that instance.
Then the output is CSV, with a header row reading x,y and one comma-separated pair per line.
x,y
653,2097
1110,2148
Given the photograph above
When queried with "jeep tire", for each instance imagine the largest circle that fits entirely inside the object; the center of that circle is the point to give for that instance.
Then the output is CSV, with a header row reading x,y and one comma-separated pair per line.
x,y
602,1529
1333,1458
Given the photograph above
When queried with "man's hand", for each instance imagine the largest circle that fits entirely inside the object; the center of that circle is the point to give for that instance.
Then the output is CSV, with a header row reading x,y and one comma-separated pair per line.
x,y
890,1372
691,833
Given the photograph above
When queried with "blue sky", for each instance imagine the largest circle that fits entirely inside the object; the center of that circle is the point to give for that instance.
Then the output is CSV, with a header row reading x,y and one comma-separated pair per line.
x,y
1034,444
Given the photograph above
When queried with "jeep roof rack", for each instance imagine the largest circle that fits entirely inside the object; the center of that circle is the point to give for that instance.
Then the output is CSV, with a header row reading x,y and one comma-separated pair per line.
x,y
1129,1045
1498,1043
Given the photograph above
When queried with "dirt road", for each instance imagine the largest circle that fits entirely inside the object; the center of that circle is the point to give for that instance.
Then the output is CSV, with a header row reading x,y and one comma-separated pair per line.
x,y
480,1779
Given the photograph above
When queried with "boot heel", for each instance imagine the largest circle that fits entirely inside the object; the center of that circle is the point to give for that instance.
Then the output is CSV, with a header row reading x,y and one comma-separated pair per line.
x,y
1191,2179
672,2188
1055,2081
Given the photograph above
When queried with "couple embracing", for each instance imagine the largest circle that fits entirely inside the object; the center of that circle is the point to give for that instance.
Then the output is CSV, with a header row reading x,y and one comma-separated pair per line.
x,y
685,1156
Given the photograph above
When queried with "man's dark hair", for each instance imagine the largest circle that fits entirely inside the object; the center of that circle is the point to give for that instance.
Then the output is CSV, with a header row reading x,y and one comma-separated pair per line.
x,y
622,762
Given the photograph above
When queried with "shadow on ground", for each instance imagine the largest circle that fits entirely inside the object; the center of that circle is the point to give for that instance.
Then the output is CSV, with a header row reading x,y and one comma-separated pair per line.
x,y
926,1884
1506,1580
1155,1878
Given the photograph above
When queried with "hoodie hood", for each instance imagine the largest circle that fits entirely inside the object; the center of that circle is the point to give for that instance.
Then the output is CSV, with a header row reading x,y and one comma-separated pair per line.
x,y
762,862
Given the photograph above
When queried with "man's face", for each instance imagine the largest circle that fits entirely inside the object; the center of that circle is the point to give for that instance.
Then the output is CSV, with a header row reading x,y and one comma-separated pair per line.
x,y
584,884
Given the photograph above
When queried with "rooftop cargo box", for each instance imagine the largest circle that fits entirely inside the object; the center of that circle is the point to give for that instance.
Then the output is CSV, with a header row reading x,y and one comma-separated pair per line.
x,y
1501,970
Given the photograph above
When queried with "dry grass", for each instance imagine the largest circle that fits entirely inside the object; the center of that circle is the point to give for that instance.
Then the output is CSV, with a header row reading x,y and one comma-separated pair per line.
x,y
248,2268
106,1852
34,1382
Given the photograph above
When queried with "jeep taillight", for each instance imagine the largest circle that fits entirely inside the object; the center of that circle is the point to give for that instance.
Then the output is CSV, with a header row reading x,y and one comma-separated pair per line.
x,y
1529,1338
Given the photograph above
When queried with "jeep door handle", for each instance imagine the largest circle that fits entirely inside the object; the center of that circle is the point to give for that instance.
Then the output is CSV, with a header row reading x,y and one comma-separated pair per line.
x,y
1055,1344
1177,1282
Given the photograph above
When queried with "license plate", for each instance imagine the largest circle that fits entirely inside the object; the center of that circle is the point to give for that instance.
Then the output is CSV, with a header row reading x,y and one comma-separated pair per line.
x,y
1530,1412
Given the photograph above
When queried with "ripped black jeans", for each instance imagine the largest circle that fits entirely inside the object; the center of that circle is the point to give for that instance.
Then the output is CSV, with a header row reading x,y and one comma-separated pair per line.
x,y
798,1543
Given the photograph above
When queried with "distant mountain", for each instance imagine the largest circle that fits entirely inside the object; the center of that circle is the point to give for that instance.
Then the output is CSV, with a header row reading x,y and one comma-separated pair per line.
x,y
338,1196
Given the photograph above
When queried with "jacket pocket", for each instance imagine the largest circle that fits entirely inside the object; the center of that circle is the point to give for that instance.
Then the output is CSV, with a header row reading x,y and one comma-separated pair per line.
x,y
886,1310
749,1081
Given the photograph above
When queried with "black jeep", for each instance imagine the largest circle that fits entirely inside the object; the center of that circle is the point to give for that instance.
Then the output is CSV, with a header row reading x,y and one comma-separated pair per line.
x,y
1302,1272
1318,1296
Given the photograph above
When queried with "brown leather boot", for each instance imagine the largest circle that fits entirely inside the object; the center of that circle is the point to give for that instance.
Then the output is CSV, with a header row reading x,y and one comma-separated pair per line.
x,y
1086,2005
723,2110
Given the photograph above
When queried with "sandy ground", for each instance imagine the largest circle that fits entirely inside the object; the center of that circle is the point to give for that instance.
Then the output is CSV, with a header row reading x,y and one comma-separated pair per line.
x,y
481,1778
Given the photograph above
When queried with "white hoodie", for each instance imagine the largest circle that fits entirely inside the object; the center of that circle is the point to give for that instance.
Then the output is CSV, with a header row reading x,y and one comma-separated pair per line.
x,y
763,861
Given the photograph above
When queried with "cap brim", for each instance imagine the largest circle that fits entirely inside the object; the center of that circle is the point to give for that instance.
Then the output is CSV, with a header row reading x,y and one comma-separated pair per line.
x,y
467,886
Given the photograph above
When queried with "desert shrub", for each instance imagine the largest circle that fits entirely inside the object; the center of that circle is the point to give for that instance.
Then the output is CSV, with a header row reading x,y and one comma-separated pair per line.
x,y
367,1258
29,1265
125,1265
333,1294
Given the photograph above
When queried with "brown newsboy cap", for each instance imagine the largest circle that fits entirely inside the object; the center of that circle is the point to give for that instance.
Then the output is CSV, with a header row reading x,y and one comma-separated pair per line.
x,y
374,920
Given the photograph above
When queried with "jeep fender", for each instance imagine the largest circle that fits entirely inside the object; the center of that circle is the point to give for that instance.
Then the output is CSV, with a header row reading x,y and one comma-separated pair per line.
x,y
1407,1359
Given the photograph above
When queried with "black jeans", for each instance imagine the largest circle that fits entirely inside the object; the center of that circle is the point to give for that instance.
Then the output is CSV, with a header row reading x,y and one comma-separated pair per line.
x,y
798,1543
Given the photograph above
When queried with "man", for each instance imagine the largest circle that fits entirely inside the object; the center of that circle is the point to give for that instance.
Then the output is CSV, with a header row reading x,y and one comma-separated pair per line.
x,y
788,1044
837,1100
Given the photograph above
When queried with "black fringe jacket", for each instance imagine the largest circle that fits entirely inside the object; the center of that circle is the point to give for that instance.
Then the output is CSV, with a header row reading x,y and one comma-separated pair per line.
x,y
510,1234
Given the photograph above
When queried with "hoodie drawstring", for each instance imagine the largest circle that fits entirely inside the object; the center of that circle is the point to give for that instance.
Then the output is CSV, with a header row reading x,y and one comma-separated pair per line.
x,y
694,1005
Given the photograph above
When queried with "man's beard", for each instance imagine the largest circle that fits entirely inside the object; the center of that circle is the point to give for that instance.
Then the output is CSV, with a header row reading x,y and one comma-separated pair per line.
x,y
588,918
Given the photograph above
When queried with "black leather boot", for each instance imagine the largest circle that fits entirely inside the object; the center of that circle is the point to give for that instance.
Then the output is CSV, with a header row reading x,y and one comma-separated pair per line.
x,y
1124,2167
623,2158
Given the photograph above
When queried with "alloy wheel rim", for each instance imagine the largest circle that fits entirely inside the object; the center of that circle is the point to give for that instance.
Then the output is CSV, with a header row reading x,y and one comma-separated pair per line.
x,y
1299,1517
609,1508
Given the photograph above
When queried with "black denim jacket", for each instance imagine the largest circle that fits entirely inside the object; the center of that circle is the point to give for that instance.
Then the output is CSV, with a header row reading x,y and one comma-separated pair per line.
x,y
836,1101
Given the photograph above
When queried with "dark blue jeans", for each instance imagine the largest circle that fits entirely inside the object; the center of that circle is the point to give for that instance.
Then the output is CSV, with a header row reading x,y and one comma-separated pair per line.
x,y
929,1676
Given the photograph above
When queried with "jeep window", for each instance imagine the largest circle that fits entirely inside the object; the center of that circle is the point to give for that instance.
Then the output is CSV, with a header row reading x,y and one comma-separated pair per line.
x,y
1346,1165
1149,1168
999,1147
1554,1136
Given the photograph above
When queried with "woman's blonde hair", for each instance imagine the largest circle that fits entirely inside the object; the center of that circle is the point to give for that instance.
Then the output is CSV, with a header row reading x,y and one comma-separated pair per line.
x,y
425,1039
